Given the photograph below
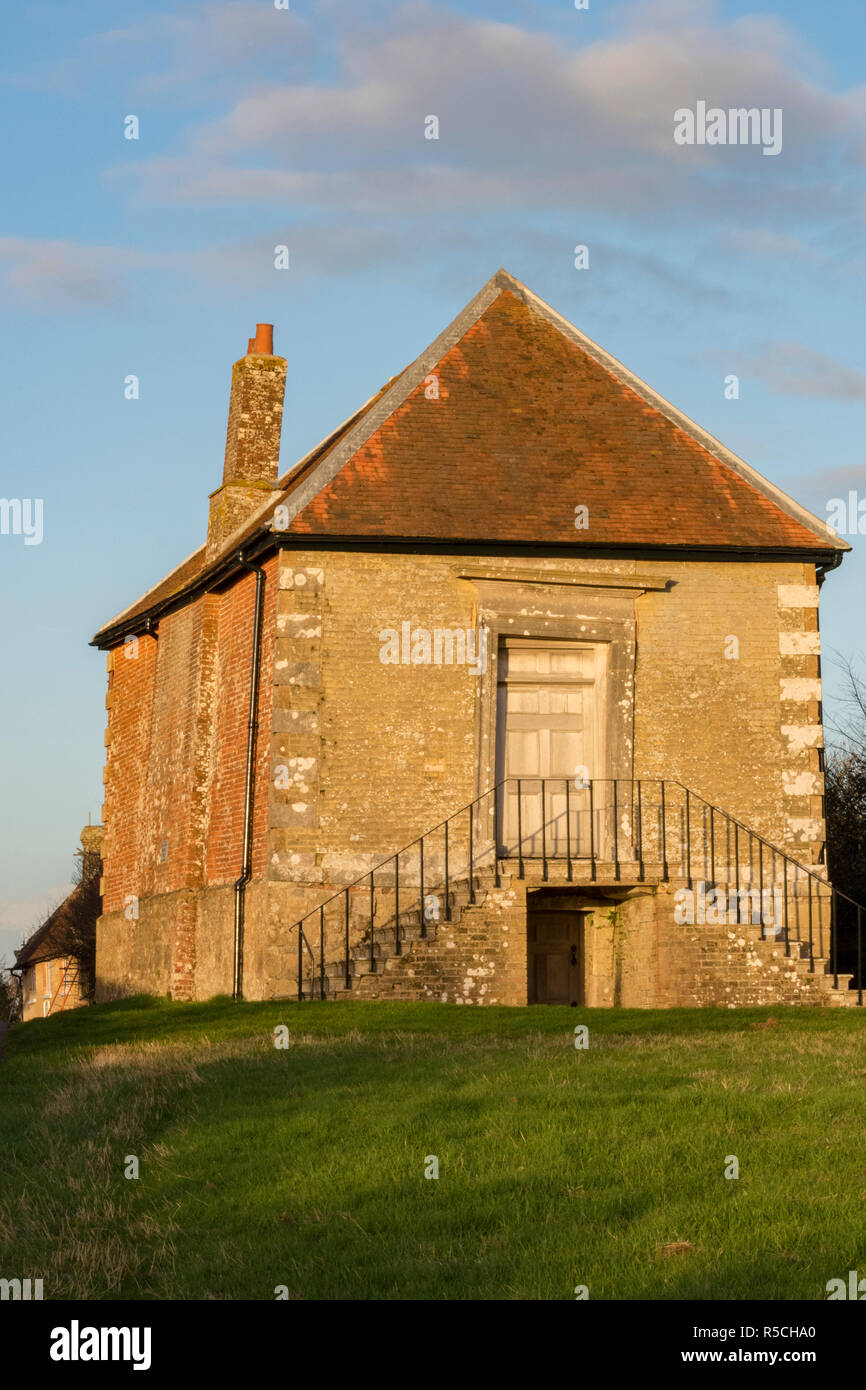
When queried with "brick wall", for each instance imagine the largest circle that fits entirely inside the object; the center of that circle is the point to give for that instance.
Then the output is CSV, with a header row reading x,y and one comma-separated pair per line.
x,y
715,721
228,739
175,765
393,749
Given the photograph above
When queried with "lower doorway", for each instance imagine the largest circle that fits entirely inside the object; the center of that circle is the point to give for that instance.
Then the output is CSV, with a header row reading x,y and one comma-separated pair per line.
x,y
557,955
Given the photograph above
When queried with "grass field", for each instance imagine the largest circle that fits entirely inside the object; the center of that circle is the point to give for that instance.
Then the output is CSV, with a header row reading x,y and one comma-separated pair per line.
x,y
304,1166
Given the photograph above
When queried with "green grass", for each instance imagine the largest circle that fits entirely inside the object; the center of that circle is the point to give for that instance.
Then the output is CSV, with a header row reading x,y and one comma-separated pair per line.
x,y
304,1167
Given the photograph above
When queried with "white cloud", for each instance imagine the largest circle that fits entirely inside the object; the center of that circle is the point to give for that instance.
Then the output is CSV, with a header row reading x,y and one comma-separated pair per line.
x,y
522,117
530,127
763,241
50,274
836,480
796,370
202,50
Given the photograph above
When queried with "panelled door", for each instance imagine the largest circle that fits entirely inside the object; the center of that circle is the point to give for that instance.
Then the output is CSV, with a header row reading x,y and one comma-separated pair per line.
x,y
556,957
548,730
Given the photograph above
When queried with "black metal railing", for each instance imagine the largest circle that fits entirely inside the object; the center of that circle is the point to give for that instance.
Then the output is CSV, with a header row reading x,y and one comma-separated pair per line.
x,y
604,830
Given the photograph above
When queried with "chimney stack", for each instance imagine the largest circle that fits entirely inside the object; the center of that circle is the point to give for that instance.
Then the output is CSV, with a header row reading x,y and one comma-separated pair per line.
x,y
91,850
252,453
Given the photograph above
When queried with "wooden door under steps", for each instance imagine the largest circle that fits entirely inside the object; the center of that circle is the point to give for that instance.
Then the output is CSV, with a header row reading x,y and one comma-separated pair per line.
x,y
556,956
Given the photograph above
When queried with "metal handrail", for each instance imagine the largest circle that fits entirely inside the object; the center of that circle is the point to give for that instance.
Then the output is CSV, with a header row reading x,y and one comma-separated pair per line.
x,y
347,888
768,844
302,942
637,840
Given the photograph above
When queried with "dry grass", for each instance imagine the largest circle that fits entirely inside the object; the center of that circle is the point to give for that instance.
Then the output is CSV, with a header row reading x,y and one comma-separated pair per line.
x,y
76,1205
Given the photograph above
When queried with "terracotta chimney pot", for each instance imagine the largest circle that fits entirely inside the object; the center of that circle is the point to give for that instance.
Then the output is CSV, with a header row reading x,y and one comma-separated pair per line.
x,y
263,343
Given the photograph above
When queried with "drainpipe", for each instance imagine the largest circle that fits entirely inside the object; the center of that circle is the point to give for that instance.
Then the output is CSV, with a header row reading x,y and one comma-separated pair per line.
x,y
821,572
247,869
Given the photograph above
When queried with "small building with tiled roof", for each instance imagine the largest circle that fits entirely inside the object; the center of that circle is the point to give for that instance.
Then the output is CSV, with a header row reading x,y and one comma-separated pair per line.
x,y
457,706
55,963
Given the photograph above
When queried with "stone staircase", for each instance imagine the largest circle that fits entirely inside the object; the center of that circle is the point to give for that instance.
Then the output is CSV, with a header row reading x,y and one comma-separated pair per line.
x,y
770,952
369,968
365,962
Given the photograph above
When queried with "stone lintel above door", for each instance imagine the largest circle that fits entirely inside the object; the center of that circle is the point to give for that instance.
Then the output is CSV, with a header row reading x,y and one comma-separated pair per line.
x,y
540,579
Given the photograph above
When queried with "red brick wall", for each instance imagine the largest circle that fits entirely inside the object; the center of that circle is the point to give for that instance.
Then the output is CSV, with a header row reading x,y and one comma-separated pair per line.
x,y
166,817
224,834
129,701
176,748
263,742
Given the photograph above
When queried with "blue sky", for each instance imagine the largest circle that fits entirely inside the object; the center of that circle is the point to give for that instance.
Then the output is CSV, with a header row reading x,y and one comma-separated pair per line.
x,y
304,127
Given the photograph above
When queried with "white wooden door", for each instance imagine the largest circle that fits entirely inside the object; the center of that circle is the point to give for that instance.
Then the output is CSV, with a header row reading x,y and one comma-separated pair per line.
x,y
548,736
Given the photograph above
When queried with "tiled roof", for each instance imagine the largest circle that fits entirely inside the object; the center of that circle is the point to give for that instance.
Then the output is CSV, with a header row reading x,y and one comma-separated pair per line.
x,y
173,583
527,420
523,425
54,937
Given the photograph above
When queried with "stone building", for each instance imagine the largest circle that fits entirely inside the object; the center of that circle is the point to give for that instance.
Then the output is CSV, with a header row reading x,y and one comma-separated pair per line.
x,y
508,692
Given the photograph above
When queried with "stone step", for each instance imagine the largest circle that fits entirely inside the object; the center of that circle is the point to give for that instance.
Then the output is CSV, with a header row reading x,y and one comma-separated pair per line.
x,y
384,942
359,956
770,948
627,872
845,983
380,949
336,969
845,998
822,968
